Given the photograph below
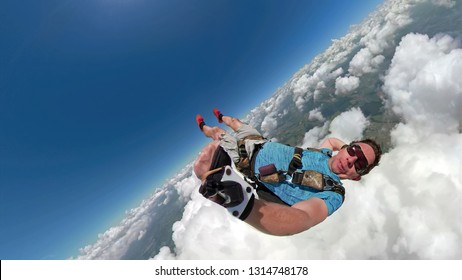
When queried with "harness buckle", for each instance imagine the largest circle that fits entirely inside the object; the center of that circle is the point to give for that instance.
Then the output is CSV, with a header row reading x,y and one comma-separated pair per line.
x,y
296,178
313,179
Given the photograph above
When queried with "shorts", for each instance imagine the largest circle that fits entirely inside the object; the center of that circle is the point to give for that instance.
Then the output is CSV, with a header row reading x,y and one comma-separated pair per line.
x,y
229,143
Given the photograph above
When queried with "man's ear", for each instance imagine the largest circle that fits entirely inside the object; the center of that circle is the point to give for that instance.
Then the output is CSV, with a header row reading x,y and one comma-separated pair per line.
x,y
357,178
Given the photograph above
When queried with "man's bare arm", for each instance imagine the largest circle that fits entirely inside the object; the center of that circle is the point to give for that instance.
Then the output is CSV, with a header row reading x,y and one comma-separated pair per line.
x,y
277,219
332,143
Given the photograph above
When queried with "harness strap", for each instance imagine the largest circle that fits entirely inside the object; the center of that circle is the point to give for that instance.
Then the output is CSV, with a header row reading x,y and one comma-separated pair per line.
x,y
241,144
296,161
319,181
244,164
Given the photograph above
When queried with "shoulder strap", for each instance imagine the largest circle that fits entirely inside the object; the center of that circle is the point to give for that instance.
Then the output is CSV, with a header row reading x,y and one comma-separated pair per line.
x,y
296,161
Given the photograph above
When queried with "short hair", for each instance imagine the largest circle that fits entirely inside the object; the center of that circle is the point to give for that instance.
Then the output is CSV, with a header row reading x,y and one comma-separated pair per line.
x,y
377,151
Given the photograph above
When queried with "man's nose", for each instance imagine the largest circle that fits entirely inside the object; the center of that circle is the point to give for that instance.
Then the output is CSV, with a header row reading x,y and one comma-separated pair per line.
x,y
351,160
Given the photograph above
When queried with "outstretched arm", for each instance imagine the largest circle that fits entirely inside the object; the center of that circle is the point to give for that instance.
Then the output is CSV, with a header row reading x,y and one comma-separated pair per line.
x,y
332,143
277,219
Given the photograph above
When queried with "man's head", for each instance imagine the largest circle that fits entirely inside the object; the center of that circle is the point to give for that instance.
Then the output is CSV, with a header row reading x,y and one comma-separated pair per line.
x,y
356,159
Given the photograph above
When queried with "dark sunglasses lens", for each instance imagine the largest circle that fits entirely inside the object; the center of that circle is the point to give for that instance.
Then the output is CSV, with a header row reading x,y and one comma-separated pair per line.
x,y
361,161
350,151
360,166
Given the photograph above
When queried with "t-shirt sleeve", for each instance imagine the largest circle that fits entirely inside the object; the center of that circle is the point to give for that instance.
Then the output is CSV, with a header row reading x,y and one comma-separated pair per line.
x,y
333,201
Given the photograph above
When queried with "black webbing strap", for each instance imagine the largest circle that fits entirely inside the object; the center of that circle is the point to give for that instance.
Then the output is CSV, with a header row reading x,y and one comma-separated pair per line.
x,y
252,162
340,190
296,161
220,158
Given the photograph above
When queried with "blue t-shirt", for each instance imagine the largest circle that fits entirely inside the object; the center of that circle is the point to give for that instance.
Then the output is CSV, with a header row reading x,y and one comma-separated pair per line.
x,y
281,155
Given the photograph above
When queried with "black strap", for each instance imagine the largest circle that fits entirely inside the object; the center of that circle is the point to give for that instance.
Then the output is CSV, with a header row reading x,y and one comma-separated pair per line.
x,y
257,148
296,161
220,158
267,195
340,190
248,208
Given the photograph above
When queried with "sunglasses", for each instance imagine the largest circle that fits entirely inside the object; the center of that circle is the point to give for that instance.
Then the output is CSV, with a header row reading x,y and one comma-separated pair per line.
x,y
361,161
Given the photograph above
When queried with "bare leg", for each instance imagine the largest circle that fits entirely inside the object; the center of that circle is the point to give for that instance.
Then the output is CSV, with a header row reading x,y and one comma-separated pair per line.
x,y
215,132
204,160
211,132
234,123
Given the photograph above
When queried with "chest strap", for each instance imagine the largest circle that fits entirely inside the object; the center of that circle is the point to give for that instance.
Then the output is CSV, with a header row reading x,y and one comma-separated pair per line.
x,y
318,181
311,178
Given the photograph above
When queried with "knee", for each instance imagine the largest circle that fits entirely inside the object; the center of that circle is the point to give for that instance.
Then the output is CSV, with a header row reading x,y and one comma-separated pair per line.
x,y
235,124
235,121
203,161
198,169
216,133
201,166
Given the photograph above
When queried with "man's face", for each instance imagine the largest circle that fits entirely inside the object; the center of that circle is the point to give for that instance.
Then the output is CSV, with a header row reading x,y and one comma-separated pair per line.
x,y
349,162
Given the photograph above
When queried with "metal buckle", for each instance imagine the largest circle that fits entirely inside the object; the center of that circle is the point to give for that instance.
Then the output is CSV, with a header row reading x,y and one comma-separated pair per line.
x,y
297,177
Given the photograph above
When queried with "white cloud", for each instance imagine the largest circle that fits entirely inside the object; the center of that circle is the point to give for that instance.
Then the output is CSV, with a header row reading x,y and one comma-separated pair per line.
x,y
445,3
315,115
425,214
349,125
302,84
314,136
365,62
425,88
379,35
308,86
424,85
269,123
346,85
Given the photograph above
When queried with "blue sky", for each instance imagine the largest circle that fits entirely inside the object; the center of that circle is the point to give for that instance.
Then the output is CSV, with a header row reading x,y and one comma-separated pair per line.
x,y
98,99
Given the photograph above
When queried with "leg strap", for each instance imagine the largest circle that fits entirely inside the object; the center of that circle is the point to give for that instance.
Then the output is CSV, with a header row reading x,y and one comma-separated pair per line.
x,y
226,188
